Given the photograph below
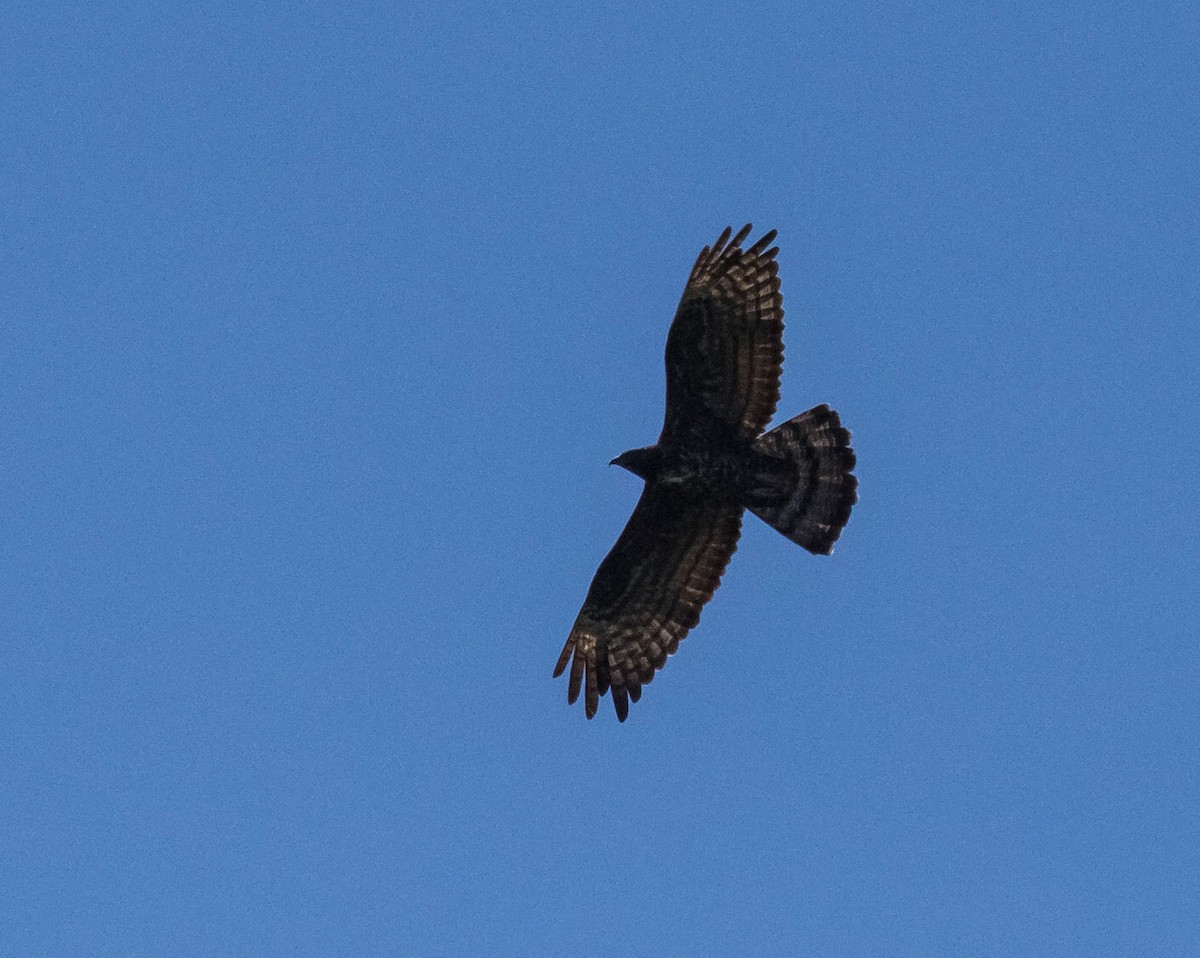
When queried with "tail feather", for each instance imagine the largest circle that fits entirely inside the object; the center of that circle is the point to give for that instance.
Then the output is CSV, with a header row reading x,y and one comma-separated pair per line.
x,y
807,487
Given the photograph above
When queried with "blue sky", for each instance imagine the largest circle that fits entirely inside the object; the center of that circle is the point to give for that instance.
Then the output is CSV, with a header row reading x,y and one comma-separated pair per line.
x,y
321,324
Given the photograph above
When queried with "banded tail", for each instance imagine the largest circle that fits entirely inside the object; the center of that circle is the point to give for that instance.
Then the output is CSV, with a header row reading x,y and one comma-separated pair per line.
x,y
806,487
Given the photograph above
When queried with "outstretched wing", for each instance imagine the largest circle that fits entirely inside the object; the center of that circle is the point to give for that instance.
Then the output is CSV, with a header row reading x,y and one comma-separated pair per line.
x,y
647,594
725,348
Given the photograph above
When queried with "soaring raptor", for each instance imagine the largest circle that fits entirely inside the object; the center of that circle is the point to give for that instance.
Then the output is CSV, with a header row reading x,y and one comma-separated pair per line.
x,y
711,462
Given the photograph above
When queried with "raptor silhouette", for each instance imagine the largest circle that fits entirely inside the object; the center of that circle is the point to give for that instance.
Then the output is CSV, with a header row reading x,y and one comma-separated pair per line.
x,y
712,461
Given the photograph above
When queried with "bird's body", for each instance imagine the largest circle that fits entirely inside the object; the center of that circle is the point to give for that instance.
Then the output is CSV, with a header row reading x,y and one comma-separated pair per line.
x,y
711,462
719,471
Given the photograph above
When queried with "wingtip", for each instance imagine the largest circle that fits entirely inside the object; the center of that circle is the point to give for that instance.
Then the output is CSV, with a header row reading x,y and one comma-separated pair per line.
x,y
565,657
620,699
575,683
759,249
592,697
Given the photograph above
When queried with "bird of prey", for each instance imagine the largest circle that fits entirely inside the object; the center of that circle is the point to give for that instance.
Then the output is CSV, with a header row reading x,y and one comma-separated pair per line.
x,y
712,461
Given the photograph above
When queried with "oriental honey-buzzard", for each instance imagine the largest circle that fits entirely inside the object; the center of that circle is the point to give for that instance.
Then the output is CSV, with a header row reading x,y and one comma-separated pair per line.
x,y
711,462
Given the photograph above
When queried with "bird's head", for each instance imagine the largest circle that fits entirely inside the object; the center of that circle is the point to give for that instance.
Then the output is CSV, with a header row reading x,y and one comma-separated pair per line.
x,y
641,462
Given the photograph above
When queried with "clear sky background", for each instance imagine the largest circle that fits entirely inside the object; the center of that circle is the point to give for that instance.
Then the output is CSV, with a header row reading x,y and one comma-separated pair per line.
x,y
320,326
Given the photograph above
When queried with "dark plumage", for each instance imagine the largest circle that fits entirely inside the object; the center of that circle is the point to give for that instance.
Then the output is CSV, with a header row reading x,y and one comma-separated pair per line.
x,y
711,462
